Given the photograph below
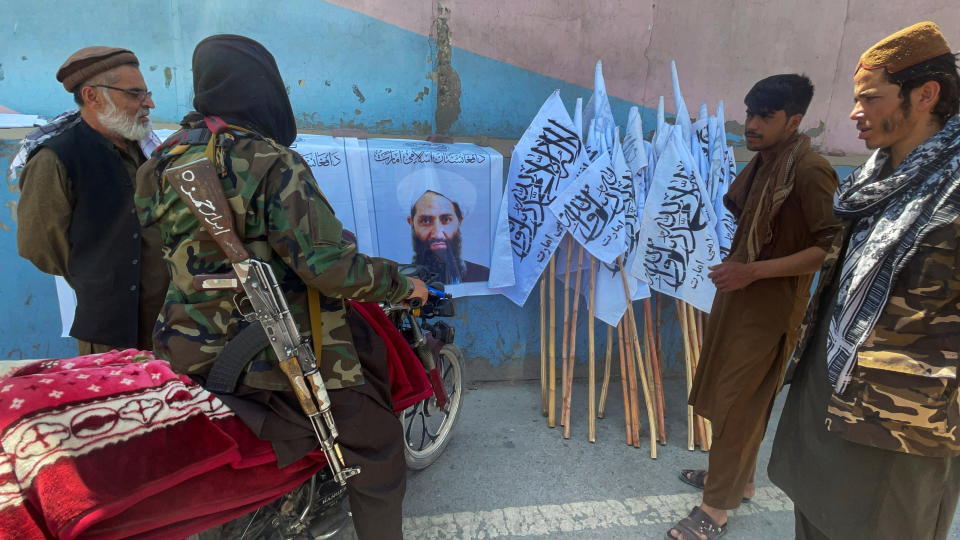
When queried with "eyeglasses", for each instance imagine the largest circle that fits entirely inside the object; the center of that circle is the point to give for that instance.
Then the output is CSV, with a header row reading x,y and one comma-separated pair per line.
x,y
136,93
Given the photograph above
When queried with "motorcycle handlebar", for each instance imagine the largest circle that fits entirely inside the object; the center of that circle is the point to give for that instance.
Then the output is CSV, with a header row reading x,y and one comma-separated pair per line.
x,y
433,295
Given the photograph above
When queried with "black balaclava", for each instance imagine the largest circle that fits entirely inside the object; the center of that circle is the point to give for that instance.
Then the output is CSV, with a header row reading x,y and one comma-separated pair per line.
x,y
237,79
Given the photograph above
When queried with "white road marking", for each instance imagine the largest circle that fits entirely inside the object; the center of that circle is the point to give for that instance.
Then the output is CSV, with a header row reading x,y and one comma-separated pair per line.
x,y
578,516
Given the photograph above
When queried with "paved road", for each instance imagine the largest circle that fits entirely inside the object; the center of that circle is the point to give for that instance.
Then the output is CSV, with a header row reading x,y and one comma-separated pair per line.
x,y
507,475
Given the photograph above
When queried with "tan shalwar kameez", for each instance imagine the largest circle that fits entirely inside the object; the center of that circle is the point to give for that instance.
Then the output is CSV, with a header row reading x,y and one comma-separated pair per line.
x,y
750,332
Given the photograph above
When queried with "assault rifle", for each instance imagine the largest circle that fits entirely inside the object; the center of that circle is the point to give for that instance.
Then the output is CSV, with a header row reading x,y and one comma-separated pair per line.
x,y
199,186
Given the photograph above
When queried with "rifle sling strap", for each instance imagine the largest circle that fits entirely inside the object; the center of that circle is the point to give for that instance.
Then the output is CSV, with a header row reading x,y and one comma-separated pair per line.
x,y
316,322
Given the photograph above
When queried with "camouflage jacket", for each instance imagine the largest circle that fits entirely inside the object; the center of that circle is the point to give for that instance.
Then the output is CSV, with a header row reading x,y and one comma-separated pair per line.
x,y
283,219
903,391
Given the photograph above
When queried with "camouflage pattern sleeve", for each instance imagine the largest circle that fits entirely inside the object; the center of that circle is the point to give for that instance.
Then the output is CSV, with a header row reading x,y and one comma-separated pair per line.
x,y
146,189
305,233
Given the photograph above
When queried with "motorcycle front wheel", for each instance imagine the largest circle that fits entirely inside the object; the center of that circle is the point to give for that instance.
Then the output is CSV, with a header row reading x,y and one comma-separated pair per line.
x,y
426,427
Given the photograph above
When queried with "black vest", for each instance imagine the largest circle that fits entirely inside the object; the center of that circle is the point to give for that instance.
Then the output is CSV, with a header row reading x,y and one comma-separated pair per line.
x,y
104,261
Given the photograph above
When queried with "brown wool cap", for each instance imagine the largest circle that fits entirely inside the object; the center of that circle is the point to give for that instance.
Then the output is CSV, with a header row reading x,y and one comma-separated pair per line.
x,y
905,48
90,61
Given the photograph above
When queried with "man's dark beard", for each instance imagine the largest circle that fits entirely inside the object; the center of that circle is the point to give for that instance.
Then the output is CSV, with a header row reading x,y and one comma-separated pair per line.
x,y
445,263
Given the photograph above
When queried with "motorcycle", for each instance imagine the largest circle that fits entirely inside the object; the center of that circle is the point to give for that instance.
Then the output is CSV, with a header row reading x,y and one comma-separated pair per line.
x,y
318,509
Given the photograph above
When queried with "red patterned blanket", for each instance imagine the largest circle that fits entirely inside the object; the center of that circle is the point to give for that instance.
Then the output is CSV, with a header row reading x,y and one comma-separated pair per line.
x,y
118,445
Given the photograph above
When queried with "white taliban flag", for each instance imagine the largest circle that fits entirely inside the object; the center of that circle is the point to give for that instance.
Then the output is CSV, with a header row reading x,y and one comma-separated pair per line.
x,y
636,155
594,209
721,175
678,232
661,134
610,300
544,161
597,115
700,144
636,152
683,117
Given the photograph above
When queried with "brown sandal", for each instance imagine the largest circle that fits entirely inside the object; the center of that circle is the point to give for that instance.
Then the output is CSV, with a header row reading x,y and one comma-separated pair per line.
x,y
698,479
698,522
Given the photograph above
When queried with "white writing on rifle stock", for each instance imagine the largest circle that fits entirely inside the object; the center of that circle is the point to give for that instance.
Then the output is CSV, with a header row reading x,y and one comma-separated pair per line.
x,y
205,207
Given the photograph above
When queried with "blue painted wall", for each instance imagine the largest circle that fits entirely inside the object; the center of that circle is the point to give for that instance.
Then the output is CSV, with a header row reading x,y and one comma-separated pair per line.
x,y
343,69
29,317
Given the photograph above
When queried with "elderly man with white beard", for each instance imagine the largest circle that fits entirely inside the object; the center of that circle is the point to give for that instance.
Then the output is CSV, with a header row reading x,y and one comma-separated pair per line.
x,y
76,217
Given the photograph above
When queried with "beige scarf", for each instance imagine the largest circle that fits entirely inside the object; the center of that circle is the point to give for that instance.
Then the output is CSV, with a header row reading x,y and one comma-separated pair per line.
x,y
775,191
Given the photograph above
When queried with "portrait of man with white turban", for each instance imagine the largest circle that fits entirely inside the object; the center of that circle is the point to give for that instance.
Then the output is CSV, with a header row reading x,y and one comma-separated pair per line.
x,y
439,204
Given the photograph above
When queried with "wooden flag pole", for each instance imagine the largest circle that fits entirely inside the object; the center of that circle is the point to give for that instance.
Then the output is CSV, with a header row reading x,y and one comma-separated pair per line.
x,y
571,361
647,363
659,335
644,384
694,361
627,411
632,384
685,331
646,367
606,372
566,326
699,319
706,430
654,356
552,307
703,329
543,345
636,349
592,362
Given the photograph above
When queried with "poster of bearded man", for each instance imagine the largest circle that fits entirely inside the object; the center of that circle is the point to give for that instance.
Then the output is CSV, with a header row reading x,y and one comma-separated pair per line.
x,y
439,203
436,205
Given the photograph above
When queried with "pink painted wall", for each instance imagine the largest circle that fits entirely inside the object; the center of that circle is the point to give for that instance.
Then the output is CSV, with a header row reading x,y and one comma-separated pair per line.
x,y
721,46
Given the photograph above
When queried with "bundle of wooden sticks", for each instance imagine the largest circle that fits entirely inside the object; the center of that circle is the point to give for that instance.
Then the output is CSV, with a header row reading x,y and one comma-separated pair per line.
x,y
639,357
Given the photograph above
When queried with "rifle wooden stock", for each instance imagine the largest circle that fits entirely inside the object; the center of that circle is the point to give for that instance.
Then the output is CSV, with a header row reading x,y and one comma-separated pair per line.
x,y
199,187
291,368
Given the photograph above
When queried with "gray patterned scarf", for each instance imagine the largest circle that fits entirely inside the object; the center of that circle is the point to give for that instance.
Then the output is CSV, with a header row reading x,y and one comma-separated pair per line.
x,y
891,216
